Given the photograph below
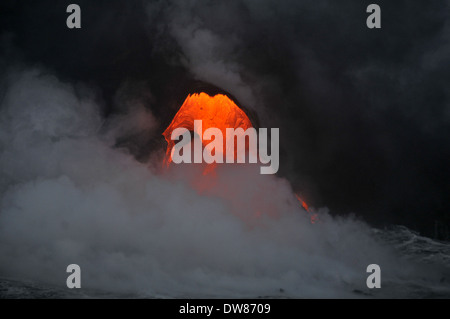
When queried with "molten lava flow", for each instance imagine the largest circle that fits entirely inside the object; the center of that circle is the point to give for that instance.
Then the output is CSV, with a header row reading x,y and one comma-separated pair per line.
x,y
221,112
304,205
313,216
218,111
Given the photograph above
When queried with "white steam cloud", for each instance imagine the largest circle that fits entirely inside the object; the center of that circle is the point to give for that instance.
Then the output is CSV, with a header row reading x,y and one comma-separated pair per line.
x,y
68,196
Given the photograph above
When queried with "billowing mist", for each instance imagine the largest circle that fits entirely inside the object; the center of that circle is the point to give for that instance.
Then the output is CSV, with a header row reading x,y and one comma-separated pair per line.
x,y
70,195
363,118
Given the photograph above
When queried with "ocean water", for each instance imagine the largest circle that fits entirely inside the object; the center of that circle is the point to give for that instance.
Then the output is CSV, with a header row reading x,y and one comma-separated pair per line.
x,y
407,243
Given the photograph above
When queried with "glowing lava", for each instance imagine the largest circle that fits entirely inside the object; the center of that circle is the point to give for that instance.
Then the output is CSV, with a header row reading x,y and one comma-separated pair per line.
x,y
220,112
217,111
313,216
304,205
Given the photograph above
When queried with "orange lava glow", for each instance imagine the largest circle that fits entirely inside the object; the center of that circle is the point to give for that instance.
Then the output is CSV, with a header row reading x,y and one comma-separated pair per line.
x,y
304,205
313,216
217,111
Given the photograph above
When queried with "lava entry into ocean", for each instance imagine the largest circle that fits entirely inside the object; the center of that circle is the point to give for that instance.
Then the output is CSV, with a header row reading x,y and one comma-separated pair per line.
x,y
217,111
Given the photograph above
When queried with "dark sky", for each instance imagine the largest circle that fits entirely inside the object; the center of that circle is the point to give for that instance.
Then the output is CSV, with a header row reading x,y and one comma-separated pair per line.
x,y
364,114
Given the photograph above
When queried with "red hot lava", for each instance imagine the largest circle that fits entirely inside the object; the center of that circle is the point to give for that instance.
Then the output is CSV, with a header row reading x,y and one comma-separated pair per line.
x,y
217,111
